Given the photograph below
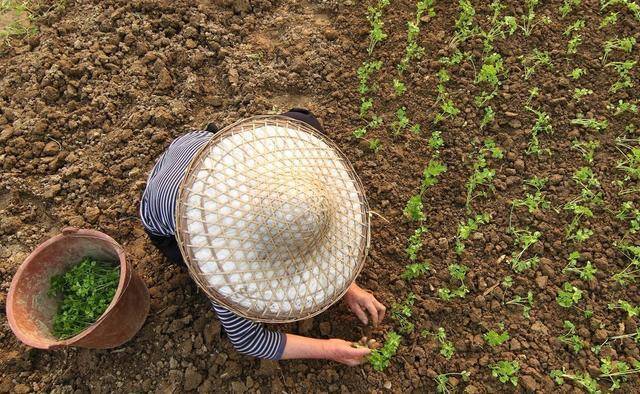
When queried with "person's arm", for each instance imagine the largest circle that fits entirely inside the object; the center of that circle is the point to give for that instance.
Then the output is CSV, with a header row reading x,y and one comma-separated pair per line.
x,y
249,337
254,339
329,349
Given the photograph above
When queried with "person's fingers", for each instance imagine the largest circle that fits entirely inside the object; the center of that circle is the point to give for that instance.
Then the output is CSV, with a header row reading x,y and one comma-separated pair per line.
x,y
355,308
371,307
381,309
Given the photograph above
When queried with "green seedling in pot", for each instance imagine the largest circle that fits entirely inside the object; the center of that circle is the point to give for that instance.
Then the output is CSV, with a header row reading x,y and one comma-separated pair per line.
x,y
85,291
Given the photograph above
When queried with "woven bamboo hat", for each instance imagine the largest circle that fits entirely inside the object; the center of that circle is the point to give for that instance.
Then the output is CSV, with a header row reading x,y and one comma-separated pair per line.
x,y
272,220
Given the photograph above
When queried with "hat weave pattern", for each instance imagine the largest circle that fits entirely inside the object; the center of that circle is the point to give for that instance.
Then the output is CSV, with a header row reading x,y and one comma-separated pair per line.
x,y
272,220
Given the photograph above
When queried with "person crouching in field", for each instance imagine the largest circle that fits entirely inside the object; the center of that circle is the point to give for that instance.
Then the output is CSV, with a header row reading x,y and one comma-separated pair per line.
x,y
272,223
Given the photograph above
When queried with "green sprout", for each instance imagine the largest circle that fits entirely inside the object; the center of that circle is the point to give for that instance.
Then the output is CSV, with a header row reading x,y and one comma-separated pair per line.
x,y
570,338
525,302
506,371
374,16
494,339
415,270
466,229
569,295
532,62
577,73
446,347
587,148
457,272
524,239
442,381
380,358
415,243
401,313
542,125
583,379
586,272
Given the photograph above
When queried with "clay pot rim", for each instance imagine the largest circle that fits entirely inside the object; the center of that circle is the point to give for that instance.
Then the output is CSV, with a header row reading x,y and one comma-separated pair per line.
x,y
123,282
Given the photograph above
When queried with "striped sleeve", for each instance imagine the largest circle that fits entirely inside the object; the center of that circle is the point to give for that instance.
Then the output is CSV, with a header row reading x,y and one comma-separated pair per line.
x,y
249,337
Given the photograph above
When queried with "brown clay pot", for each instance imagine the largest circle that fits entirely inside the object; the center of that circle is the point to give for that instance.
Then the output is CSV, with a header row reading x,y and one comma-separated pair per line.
x,y
30,310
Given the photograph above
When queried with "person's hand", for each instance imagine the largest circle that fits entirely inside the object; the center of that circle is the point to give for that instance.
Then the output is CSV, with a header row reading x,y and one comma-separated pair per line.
x,y
360,300
345,353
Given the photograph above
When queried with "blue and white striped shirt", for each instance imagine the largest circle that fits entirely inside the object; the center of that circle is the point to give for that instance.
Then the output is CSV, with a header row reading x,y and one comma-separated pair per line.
x,y
157,208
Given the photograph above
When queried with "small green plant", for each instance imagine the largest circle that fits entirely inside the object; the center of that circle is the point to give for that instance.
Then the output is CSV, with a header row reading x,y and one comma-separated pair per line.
x,y
577,73
446,347
364,74
507,282
506,371
448,110
587,148
442,381
570,338
587,272
401,313
415,243
583,379
430,174
482,174
632,311
535,60
623,106
579,93
617,371
435,141
401,122
465,27
567,6
374,16
533,201
569,295
413,50
525,302
488,117
380,358
465,229
533,93
542,125
457,272
529,21
524,239
414,209
628,212
84,291
598,125
624,78
623,44
494,339
610,19
632,271
399,87
415,270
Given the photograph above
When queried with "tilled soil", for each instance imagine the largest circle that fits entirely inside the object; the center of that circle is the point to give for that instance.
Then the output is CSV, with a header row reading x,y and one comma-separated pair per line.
x,y
88,104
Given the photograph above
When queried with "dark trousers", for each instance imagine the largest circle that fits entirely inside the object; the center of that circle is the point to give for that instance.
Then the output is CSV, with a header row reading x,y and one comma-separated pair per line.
x,y
168,244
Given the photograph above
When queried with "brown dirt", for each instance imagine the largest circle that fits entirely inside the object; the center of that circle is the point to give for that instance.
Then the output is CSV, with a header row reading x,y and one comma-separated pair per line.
x,y
88,104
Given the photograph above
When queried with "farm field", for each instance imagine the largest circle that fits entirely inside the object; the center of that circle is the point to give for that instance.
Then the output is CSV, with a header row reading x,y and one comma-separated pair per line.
x,y
498,141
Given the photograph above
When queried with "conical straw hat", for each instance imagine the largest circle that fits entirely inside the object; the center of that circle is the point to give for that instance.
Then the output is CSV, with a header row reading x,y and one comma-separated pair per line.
x,y
272,220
